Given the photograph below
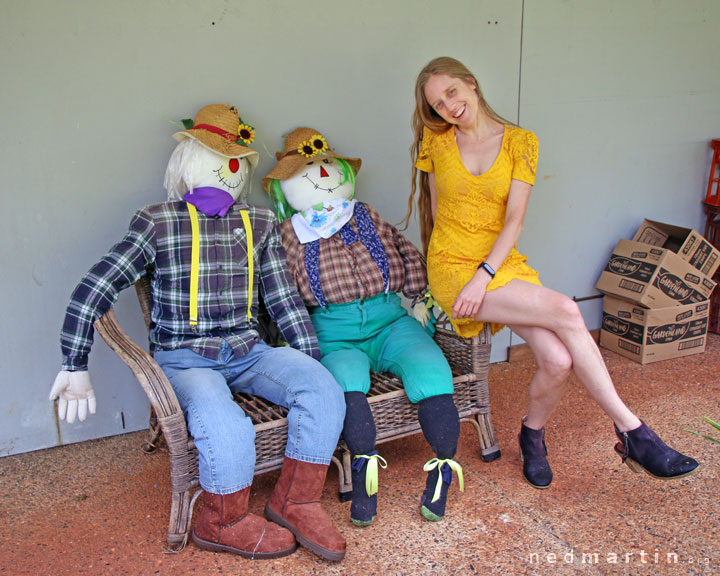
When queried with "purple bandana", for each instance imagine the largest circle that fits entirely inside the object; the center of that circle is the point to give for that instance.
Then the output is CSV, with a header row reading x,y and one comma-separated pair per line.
x,y
210,201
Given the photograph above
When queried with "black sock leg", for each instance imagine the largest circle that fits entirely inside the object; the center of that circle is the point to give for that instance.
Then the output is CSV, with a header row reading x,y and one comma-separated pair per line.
x,y
440,424
359,435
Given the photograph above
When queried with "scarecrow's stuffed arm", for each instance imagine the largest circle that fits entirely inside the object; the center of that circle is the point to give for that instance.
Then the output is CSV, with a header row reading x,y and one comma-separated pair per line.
x,y
282,300
415,286
122,266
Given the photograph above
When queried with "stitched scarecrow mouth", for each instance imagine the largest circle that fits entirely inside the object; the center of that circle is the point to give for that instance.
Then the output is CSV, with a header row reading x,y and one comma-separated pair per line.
x,y
334,186
236,182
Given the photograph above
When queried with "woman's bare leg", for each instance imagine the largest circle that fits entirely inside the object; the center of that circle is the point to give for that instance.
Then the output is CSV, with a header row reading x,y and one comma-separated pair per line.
x,y
521,304
549,383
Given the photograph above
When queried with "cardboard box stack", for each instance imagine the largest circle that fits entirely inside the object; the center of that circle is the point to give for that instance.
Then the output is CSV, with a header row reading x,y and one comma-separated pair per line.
x,y
656,288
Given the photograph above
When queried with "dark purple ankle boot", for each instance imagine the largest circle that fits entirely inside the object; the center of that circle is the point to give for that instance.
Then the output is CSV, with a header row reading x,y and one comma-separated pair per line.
x,y
533,454
642,449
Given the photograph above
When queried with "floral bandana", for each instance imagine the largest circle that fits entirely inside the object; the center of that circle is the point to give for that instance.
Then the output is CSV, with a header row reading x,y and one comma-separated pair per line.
x,y
313,224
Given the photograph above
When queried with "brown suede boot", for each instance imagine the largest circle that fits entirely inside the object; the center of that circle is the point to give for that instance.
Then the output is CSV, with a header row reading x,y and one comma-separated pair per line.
x,y
224,525
295,504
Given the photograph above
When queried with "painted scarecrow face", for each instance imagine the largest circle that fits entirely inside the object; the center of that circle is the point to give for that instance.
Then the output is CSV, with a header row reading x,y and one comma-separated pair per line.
x,y
209,169
320,180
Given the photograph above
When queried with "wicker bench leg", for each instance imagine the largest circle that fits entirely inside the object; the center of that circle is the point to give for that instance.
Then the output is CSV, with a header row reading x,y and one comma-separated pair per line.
x,y
344,475
180,517
489,448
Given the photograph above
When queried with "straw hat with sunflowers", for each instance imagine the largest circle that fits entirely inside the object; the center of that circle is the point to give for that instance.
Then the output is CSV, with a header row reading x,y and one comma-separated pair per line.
x,y
302,145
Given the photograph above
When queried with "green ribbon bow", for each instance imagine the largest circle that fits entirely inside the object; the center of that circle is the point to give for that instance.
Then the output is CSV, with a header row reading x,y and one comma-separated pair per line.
x,y
371,474
437,463
429,300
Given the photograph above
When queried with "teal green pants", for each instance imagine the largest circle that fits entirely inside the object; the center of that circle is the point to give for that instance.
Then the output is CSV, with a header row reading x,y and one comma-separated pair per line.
x,y
378,334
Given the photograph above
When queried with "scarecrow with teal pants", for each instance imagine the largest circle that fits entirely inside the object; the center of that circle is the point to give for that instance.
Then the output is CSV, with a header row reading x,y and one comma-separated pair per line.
x,y
349,266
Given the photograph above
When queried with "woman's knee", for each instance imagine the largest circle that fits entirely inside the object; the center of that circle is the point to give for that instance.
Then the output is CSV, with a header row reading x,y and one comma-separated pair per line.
x,y
556,363
552,356
567,314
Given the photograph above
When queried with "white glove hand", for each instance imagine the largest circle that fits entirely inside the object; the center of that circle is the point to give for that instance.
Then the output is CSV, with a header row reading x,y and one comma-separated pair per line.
x,y
75,393
421,313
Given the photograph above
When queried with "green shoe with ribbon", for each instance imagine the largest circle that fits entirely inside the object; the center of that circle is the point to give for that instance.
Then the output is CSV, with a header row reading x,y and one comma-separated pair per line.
x,y
365,487
434,498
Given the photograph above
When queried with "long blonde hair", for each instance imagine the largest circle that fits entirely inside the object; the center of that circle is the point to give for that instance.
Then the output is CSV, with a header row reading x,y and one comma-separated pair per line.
x,y
425,116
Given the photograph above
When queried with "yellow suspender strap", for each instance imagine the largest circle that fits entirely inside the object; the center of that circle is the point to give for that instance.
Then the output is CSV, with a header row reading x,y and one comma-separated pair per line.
x,y
195,263
250,251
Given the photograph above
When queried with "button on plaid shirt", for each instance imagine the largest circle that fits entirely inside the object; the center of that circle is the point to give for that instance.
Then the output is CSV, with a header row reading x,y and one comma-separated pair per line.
x,y
349,273
159,242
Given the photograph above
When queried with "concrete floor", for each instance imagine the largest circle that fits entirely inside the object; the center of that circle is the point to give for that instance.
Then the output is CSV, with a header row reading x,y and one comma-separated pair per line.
x,y
101,507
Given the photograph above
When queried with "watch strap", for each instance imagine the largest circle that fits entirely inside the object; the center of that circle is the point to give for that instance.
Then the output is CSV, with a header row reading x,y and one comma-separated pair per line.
x,y
489,269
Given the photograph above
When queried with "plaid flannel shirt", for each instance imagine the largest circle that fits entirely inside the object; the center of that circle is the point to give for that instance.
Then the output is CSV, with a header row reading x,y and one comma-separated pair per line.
x,y
159,242
348,272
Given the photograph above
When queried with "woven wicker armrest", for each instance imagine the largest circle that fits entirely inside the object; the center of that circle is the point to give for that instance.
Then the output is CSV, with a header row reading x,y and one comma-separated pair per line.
x,y
466,356
148,373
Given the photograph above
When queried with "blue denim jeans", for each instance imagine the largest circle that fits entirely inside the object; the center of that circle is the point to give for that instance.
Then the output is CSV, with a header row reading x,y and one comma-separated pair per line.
x,y
224,436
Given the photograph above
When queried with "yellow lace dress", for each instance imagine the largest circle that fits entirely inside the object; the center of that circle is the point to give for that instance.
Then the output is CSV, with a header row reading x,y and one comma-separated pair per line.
x,y
471,213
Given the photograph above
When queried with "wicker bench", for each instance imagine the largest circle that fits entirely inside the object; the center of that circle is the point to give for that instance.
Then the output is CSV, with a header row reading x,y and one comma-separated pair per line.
x,y
395,416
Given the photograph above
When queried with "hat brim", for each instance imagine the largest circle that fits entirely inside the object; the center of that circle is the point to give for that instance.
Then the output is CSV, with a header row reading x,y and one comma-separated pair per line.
x,y
219,145
289,166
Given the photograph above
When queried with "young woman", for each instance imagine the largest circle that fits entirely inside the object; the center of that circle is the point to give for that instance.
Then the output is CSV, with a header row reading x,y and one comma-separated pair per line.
x,y
475,171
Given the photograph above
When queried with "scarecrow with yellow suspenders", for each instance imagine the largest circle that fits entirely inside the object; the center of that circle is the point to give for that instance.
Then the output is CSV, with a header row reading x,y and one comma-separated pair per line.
x,y
349,265
209,254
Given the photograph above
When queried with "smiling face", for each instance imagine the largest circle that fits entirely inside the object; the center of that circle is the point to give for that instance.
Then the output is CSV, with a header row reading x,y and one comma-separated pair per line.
x,y
319,180
209,169
453,99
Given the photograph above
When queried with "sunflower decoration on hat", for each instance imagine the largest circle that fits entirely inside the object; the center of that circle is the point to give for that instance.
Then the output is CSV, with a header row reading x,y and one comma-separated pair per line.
x,y
310,176
316,144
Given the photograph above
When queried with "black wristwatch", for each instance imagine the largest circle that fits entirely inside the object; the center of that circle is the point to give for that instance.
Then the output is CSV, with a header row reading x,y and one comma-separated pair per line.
x,y
489,269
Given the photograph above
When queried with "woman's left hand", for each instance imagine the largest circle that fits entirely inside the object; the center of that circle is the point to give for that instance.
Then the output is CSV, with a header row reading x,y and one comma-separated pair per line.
x,y
468,302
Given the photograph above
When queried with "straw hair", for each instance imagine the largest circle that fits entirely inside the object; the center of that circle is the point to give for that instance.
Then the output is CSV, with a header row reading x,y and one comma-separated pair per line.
x,y
224,118
290,161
